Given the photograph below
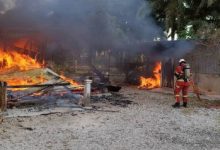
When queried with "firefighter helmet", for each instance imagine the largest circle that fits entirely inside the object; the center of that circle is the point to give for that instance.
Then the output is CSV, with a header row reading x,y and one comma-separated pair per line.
x,y
182,61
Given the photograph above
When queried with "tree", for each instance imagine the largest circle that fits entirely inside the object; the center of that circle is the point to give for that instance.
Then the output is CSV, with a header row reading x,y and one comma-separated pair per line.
x,y
187,18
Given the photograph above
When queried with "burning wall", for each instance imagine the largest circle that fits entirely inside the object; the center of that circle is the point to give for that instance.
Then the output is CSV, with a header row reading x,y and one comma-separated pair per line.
x,y
12,59
20,54
19,64
15,59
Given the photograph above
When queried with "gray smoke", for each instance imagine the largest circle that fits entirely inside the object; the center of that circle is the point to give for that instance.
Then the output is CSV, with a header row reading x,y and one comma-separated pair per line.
x,y
88,23
6,5
82,24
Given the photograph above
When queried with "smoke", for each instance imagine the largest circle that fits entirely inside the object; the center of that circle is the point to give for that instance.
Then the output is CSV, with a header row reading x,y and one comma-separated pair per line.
x,y
82,24
6,5
170,49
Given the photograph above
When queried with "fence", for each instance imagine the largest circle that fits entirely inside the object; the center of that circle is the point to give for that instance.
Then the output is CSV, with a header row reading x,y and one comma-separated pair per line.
x,y
205,60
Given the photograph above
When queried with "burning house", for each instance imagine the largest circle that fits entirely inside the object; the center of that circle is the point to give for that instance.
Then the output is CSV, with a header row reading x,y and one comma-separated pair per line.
x,y
102,45
102,74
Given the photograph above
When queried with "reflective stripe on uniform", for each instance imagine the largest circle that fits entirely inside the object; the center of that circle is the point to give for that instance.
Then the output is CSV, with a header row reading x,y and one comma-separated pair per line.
x,y
180,80
177,95
185,95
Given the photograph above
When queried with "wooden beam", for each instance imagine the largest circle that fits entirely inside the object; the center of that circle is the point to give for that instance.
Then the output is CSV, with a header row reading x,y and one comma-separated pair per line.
x,y
37,85
3,96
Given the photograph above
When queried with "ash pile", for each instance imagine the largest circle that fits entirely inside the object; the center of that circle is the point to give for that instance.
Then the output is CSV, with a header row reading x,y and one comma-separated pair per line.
x,y
113,98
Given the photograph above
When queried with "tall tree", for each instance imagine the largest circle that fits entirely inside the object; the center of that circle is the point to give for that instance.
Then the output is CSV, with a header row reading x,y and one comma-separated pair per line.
x,y
187,18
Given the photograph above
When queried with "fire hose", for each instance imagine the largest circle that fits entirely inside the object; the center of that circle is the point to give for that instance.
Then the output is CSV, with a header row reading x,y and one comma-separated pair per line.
x,y
196,90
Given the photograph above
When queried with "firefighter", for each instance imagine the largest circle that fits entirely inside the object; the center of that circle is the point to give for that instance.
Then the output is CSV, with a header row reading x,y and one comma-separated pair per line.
x,y
182,73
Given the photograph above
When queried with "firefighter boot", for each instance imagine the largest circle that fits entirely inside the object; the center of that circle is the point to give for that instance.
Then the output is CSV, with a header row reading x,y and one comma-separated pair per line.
x,y
176,105
185,104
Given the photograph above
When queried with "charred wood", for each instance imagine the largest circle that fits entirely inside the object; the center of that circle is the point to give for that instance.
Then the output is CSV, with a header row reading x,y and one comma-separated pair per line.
x,y
99,74
40,85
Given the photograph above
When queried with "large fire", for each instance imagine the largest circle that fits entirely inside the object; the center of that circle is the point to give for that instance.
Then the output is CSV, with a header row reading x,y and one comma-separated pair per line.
x,y
12,61
16,57
152,82
23,69
15,60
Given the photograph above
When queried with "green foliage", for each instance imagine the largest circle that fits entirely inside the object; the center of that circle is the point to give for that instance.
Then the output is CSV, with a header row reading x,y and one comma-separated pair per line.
x,y
203,15
187,33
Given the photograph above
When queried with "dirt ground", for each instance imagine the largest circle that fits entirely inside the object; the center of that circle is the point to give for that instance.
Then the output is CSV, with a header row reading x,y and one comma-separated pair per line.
x,y
148,123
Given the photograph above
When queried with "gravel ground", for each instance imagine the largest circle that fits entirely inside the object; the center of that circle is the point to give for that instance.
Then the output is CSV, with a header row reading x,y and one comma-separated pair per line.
x,y
149,123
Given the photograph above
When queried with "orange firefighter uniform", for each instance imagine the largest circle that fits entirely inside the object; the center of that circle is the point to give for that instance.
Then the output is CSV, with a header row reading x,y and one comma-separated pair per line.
x,y
181,85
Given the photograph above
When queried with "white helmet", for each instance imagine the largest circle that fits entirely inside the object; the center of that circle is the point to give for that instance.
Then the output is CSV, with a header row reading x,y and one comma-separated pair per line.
x,y
182,60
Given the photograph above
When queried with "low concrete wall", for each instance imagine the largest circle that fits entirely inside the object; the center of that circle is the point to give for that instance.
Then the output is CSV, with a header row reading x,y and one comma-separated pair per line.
x,y
208,82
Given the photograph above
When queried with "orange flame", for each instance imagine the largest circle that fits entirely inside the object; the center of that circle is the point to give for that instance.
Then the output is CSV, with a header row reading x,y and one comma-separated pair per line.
x,y
21,43
152,82
71,81
26,80
13,59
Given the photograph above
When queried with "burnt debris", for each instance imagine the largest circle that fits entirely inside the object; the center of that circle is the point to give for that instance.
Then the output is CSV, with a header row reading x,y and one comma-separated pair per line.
x,y
114,99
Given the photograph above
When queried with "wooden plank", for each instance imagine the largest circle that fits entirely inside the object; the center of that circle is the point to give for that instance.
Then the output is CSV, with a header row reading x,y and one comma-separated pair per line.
x,y
40,85
3,96
168,73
